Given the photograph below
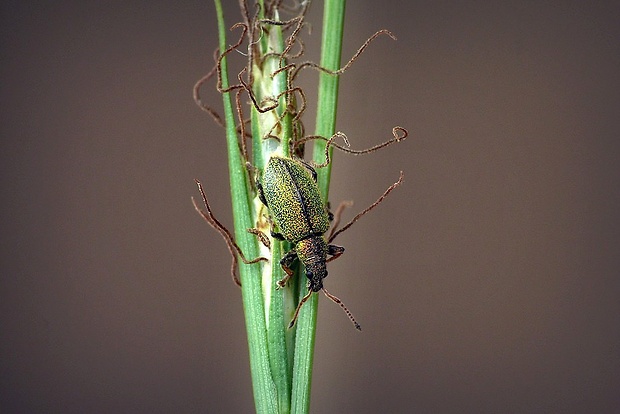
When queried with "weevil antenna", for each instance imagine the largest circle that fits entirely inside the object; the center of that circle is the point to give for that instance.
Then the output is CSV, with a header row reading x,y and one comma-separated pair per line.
x,y
367,209
344,308
301,302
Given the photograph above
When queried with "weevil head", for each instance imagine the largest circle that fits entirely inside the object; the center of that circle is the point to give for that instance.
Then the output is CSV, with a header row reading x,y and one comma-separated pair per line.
x,y
316,272
312,252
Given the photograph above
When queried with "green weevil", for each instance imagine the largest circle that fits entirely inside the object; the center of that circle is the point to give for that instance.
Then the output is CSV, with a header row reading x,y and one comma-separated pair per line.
x,y
288,188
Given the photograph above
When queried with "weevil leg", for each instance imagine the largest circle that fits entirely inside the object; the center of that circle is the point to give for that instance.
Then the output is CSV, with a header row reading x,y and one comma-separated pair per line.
x,y
334,251
299,305
286,263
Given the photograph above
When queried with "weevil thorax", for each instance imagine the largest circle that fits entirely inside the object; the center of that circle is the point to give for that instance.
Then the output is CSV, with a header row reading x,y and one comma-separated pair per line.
x,y
312,252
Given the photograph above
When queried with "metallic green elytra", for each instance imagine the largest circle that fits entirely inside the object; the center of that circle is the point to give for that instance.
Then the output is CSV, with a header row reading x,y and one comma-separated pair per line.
x,y
288,188
293,197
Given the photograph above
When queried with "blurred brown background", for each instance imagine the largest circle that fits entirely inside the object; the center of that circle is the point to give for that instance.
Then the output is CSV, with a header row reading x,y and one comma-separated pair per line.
x,y
489,282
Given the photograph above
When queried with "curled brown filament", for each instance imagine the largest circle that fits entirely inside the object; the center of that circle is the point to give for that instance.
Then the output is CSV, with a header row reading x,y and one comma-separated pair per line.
x,y
233,247
398,132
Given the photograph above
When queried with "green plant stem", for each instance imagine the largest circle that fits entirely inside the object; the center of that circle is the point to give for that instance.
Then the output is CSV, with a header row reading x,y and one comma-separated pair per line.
x,y
264,389
331,48
280,358
331,51
266,86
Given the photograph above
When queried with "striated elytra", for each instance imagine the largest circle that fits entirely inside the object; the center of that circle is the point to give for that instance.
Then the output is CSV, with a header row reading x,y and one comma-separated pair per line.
x,y
290,191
